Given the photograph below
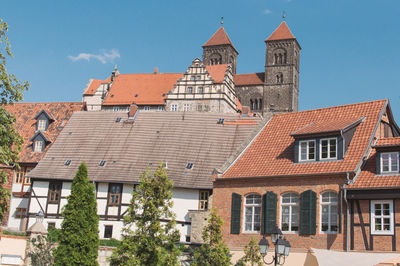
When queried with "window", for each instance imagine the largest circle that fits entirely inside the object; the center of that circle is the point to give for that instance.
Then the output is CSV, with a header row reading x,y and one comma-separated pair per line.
x,y
118,120
115,194
38,146
20,175
146,108
190,90
328,148
108,231
20,213
41,125
203,199
51,225
198,77
390,162
116,108
192,78
382,217
307,150
290,212
174,107
54,192
200,90
252,208
189,166
160,108
329,212
68,162
186,107
279,78
102,163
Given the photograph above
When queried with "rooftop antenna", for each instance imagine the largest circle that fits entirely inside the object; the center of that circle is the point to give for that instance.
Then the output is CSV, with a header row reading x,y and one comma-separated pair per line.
x,y
222,21
283,15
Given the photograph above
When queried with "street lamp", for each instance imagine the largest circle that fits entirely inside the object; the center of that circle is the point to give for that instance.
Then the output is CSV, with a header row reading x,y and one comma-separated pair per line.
x,y
282,247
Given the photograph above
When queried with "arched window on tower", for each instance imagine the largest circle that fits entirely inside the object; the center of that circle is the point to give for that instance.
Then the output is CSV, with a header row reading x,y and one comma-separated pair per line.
x,y
280,58
260,107
255,104
215,59
251,104
275,59
279,78
284,58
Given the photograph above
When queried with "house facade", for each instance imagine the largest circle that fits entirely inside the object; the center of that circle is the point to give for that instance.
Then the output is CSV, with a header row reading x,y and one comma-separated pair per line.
x,y
118,146
39,124
209,85
303,172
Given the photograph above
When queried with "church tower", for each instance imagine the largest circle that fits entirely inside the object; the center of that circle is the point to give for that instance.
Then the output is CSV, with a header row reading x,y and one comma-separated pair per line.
x,y
281,92
220,50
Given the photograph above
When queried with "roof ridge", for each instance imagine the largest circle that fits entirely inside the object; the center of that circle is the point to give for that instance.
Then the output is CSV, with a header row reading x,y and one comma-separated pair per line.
x,y
38,103
331,107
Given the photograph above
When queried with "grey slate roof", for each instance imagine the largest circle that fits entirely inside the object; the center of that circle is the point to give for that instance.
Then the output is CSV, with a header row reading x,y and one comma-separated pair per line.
x,y
129,147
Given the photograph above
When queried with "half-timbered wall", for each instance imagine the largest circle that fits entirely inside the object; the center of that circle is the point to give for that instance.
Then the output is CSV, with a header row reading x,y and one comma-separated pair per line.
x,y
110,213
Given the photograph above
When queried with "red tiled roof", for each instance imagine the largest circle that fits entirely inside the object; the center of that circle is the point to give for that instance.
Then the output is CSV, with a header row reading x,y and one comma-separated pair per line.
x,y
385,142
368,178
26,124
217,72
272,152
325,127
94,84
219,38
143,89
281,33
249,79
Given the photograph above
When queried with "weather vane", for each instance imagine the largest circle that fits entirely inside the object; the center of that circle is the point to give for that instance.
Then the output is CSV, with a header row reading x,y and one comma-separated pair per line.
x,y
284,14
222,21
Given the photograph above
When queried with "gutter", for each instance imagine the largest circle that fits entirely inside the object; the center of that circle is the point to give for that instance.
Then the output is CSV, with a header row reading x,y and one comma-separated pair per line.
x,y
347,210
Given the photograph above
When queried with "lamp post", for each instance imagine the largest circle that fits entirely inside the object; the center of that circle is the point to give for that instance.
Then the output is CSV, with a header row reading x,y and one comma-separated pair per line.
x,y
282,247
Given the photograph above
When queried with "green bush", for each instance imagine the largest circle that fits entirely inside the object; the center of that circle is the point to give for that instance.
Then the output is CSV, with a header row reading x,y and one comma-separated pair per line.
x,y
112,242
11,233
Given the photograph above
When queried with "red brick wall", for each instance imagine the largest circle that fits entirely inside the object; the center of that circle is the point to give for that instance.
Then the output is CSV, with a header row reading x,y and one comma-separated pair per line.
x,y
379,242
222,197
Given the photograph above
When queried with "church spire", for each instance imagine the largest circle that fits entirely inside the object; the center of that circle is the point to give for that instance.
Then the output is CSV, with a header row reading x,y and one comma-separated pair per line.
x,y
281,33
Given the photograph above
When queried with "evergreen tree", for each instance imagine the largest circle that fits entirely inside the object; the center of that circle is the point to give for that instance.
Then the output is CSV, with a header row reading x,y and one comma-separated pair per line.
x,y
42,251
252,254
214,251
79,237
146,239
11,90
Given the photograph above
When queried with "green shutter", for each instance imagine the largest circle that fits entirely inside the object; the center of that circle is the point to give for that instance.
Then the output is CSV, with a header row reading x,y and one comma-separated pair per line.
x,y
268,220
308,212
236,213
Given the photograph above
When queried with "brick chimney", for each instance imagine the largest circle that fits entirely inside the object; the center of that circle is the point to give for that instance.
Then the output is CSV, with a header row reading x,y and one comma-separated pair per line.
x,y
132,111
156,70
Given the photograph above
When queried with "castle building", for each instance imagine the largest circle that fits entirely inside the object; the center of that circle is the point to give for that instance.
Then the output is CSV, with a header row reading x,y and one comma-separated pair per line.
x,y
211,84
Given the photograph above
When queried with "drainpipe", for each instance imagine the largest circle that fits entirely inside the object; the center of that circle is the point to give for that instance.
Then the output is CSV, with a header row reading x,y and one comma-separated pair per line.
x,y
347,211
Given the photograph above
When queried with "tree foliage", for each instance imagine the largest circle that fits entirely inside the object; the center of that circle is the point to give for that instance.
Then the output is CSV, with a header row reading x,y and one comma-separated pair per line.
x,y
79,237
149,234
252,254
41,253
214,250
11,90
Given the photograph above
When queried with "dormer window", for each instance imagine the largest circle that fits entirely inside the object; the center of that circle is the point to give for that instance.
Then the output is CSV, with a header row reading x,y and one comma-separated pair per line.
x,y
307,150
390,162
39,145
41,124
328,148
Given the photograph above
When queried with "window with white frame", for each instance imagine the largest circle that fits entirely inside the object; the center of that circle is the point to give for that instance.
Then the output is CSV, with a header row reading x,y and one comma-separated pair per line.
x,y
41,125
252,209
186,107
174,107
200,90
382,217
146,108
307,150
389,162
290,212
328,148
160,108
39,144
190,90
329,212
115,108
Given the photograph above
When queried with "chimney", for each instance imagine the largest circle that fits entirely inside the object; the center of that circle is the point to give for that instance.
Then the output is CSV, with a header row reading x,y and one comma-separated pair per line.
x,y
156,70
132,111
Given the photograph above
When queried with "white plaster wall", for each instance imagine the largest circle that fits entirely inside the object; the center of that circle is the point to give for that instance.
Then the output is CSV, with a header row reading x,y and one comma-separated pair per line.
x,y
16,187
101,206
16,202
102,190
66,189
184,200
52,208
117,228
41,188
127,193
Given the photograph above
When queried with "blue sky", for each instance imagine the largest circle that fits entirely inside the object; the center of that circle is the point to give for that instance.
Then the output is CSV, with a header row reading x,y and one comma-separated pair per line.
x,y
349,48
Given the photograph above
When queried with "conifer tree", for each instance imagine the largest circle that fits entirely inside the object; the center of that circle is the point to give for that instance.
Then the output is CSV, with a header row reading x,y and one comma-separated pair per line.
x,y
149,234
214,250
79,237
252,254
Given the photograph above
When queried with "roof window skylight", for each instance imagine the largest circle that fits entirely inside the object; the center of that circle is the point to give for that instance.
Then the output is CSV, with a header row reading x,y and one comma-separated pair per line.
x,y
189,166
118,120
220,121
68,162
102,163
